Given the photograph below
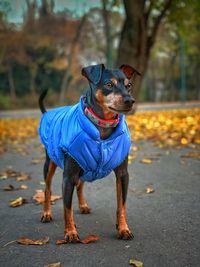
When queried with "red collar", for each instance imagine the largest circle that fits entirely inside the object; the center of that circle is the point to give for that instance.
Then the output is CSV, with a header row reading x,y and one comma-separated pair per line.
x,y
100,122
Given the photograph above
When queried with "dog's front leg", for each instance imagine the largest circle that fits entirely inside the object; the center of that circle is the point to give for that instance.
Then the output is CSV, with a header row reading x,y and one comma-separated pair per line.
x,y
122,180
70,179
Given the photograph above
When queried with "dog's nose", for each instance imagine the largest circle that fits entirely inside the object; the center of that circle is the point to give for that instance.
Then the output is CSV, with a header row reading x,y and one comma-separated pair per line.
x,y
129,100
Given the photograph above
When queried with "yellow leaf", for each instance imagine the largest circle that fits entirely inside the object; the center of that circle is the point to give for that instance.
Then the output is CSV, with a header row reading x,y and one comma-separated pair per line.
x,y
184,141
17,202
146,161
57,264
149,190
135,263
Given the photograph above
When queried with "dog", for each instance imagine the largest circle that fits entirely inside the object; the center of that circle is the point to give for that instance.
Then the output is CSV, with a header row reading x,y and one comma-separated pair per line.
x,y
88,141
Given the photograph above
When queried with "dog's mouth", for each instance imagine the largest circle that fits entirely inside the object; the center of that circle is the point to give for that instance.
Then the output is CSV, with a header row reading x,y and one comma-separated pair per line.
x,y
121,110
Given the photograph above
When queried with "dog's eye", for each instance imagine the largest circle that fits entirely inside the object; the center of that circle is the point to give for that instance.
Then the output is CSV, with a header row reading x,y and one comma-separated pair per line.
x,y
109,85
129,86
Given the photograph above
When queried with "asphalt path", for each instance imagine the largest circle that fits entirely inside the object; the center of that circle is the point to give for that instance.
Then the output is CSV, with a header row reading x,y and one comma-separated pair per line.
x,y
166,223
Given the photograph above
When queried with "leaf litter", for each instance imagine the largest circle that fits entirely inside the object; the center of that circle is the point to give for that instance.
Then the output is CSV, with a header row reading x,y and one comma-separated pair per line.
x,y
39,197
167,128
17,202
56,264
19,176
27,241
135,263
88,239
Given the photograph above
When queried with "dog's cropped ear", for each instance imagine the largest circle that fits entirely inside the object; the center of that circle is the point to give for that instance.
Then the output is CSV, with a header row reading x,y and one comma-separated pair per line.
x,y
93,73
129,71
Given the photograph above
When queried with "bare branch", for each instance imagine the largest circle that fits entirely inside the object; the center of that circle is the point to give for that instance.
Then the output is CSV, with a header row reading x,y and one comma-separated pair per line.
x,y
148,12
157,22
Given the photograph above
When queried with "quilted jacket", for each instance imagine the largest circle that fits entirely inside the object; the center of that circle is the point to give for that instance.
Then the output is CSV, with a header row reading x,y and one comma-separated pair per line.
x,y
67,130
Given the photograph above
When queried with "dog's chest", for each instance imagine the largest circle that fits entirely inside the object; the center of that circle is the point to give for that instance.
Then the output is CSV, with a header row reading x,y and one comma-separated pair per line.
x,y
105,132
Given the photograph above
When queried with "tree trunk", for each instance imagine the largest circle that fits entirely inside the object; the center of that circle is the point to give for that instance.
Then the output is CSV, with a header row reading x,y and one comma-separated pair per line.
x,y
67,75
138,35
133,41
11,84
33,71
108,34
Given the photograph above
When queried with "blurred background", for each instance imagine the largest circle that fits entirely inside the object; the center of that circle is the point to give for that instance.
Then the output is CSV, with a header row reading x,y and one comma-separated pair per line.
x,y
45,43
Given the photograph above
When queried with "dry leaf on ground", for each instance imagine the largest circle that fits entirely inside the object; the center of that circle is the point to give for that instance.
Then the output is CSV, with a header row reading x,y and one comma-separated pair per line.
x,y
17,202
23,177
177,127
193,155
39,197
88,239
20,176
146,161
135,263
35,161
8,173
23,187
9,188
149,190
56,264
27,241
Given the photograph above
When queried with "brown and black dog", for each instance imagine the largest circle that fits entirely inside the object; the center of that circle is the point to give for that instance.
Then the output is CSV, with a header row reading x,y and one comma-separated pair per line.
x,y
108,98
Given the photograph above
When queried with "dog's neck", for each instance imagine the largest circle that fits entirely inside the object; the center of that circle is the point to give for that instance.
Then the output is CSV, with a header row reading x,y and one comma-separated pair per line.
x,y
91,102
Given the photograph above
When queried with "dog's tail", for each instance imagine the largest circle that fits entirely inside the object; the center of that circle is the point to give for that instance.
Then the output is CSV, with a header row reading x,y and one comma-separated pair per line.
x,y
41,103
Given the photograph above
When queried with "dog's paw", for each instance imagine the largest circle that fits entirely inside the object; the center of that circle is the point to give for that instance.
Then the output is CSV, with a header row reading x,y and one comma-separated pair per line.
x,y
84,209
46,217
71,237
125,234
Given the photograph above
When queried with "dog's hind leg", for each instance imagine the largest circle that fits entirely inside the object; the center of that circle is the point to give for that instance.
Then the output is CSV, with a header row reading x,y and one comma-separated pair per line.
x,y
83,206
49,170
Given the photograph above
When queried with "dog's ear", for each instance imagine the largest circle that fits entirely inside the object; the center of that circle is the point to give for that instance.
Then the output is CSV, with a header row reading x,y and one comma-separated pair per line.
x,y
129,71
93,73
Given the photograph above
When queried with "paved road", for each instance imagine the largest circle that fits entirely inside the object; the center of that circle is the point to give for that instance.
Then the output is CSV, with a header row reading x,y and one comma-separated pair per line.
x,y
141,107
165,223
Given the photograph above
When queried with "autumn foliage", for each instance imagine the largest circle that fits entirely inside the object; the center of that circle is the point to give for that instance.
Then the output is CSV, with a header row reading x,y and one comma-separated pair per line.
x,y
165,128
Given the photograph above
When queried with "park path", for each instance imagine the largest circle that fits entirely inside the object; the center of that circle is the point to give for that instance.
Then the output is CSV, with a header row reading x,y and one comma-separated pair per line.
x,y
141,107
165,222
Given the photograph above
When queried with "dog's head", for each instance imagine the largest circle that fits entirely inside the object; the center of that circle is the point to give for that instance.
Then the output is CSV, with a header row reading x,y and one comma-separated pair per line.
x,y
112,89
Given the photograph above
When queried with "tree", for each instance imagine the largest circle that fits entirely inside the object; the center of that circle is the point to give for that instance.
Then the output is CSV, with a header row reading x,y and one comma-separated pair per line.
x,y
143,18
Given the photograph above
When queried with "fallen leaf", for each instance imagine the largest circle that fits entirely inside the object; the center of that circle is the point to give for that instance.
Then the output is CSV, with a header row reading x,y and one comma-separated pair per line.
x,y
193,155
8,173
23,187
149,190
9,188
167,128
3,177
57,264
35,161
17,202
11,173
39,197
131,158
146,161
88,239
135,263
23,177
27,241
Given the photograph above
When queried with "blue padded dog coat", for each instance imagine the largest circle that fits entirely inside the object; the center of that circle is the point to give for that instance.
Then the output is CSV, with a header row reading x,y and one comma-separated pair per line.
x,y
68,130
